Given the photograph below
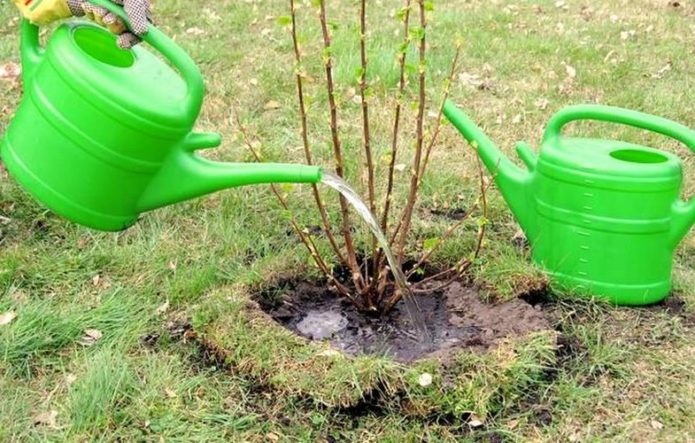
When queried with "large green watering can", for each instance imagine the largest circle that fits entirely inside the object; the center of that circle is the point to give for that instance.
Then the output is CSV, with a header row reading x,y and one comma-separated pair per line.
x,y
103,134
603,217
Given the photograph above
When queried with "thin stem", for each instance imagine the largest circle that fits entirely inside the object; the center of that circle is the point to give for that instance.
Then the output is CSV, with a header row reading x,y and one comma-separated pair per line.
x,y
305,135
403,51
337,149
438,122
397,118
366,141
412,197
366,135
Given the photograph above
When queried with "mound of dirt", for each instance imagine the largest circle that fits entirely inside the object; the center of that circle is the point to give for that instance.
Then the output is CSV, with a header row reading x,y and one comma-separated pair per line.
x,y
456,318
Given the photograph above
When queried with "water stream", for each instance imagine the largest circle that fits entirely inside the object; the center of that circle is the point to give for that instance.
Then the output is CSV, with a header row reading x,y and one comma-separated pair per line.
x,y
332,180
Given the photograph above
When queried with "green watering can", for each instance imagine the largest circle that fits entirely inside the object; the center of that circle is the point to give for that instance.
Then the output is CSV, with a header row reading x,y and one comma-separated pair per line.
x,y
104,134
603,217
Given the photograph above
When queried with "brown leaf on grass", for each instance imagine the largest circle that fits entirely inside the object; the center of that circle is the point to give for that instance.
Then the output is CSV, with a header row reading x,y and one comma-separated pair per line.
x,y
7,317
45,418
195,31
657,425
170,393
271,105
425,380
10,71
475,422
542,103
662,71
90,337
163,308
571,72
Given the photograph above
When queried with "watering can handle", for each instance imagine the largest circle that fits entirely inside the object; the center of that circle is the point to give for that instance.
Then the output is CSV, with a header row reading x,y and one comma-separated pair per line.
x,y
31,53
627,117
684,211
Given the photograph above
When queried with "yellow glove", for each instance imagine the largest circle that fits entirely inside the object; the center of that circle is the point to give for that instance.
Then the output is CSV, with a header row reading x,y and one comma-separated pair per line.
x,y
41,12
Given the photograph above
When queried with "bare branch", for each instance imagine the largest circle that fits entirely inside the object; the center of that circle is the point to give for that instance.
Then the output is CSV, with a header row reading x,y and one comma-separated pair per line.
x,y
337,148
403,51
438,122
412,197
305,134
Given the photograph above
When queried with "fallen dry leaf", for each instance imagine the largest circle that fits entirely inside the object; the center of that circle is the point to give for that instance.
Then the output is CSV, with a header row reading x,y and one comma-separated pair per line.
x,y
46,418
662,71
329,353
195,31
657,425
425,380
90,337
475,421
571,72
163,308
7,317
170,393
10,71
271,105
542,103
272,437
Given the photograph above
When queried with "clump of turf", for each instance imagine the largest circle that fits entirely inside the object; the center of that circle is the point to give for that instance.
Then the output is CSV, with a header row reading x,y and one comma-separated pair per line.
x,y
237,331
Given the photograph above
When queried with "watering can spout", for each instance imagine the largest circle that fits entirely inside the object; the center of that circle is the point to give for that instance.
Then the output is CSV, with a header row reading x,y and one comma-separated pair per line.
x,y
186,175
513,182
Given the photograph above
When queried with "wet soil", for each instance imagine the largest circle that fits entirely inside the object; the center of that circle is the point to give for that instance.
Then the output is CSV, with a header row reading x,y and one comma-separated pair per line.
x,y
456,318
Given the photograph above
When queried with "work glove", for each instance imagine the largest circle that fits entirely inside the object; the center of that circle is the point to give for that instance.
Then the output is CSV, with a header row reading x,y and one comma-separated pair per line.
x,y
41,12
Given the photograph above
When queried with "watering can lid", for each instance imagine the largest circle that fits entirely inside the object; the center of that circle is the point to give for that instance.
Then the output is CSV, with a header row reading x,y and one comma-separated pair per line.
x,y
132,85
606,162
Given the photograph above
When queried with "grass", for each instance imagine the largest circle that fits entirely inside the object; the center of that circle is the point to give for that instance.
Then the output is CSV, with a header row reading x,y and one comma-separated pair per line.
x,y
621,374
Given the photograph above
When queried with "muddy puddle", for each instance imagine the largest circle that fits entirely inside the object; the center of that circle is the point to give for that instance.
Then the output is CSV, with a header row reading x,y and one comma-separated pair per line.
x,y
456,318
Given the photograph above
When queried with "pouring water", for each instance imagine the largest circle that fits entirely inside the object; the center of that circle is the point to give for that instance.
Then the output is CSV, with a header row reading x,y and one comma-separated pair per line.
x,y
340,185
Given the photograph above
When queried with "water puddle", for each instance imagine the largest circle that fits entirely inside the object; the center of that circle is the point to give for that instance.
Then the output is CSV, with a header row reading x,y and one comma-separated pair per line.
x,y
456,318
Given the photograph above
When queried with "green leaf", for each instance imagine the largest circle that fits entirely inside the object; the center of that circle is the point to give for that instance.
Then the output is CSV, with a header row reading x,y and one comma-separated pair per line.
x,y
429,6
287,187
400,15
430,243
284,20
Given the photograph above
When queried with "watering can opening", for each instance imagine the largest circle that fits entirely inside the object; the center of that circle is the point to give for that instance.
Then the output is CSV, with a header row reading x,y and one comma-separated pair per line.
x,y
638,156
101,45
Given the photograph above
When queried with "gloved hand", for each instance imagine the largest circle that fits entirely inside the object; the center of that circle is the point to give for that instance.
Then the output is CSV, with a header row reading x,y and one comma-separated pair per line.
x,y
42,12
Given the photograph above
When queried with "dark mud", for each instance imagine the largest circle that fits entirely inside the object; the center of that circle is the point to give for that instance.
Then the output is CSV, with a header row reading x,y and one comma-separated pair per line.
x,y
456,319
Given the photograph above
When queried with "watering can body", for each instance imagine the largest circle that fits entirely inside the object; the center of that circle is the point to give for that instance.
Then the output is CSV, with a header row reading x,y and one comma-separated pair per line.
x,y
103,134
603,217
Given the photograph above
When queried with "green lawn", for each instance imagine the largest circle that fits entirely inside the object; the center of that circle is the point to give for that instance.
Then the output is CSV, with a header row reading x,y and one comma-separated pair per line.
x,y
182,355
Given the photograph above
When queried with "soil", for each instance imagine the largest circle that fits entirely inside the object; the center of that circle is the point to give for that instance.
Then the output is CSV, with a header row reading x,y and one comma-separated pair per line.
x,y
456,318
